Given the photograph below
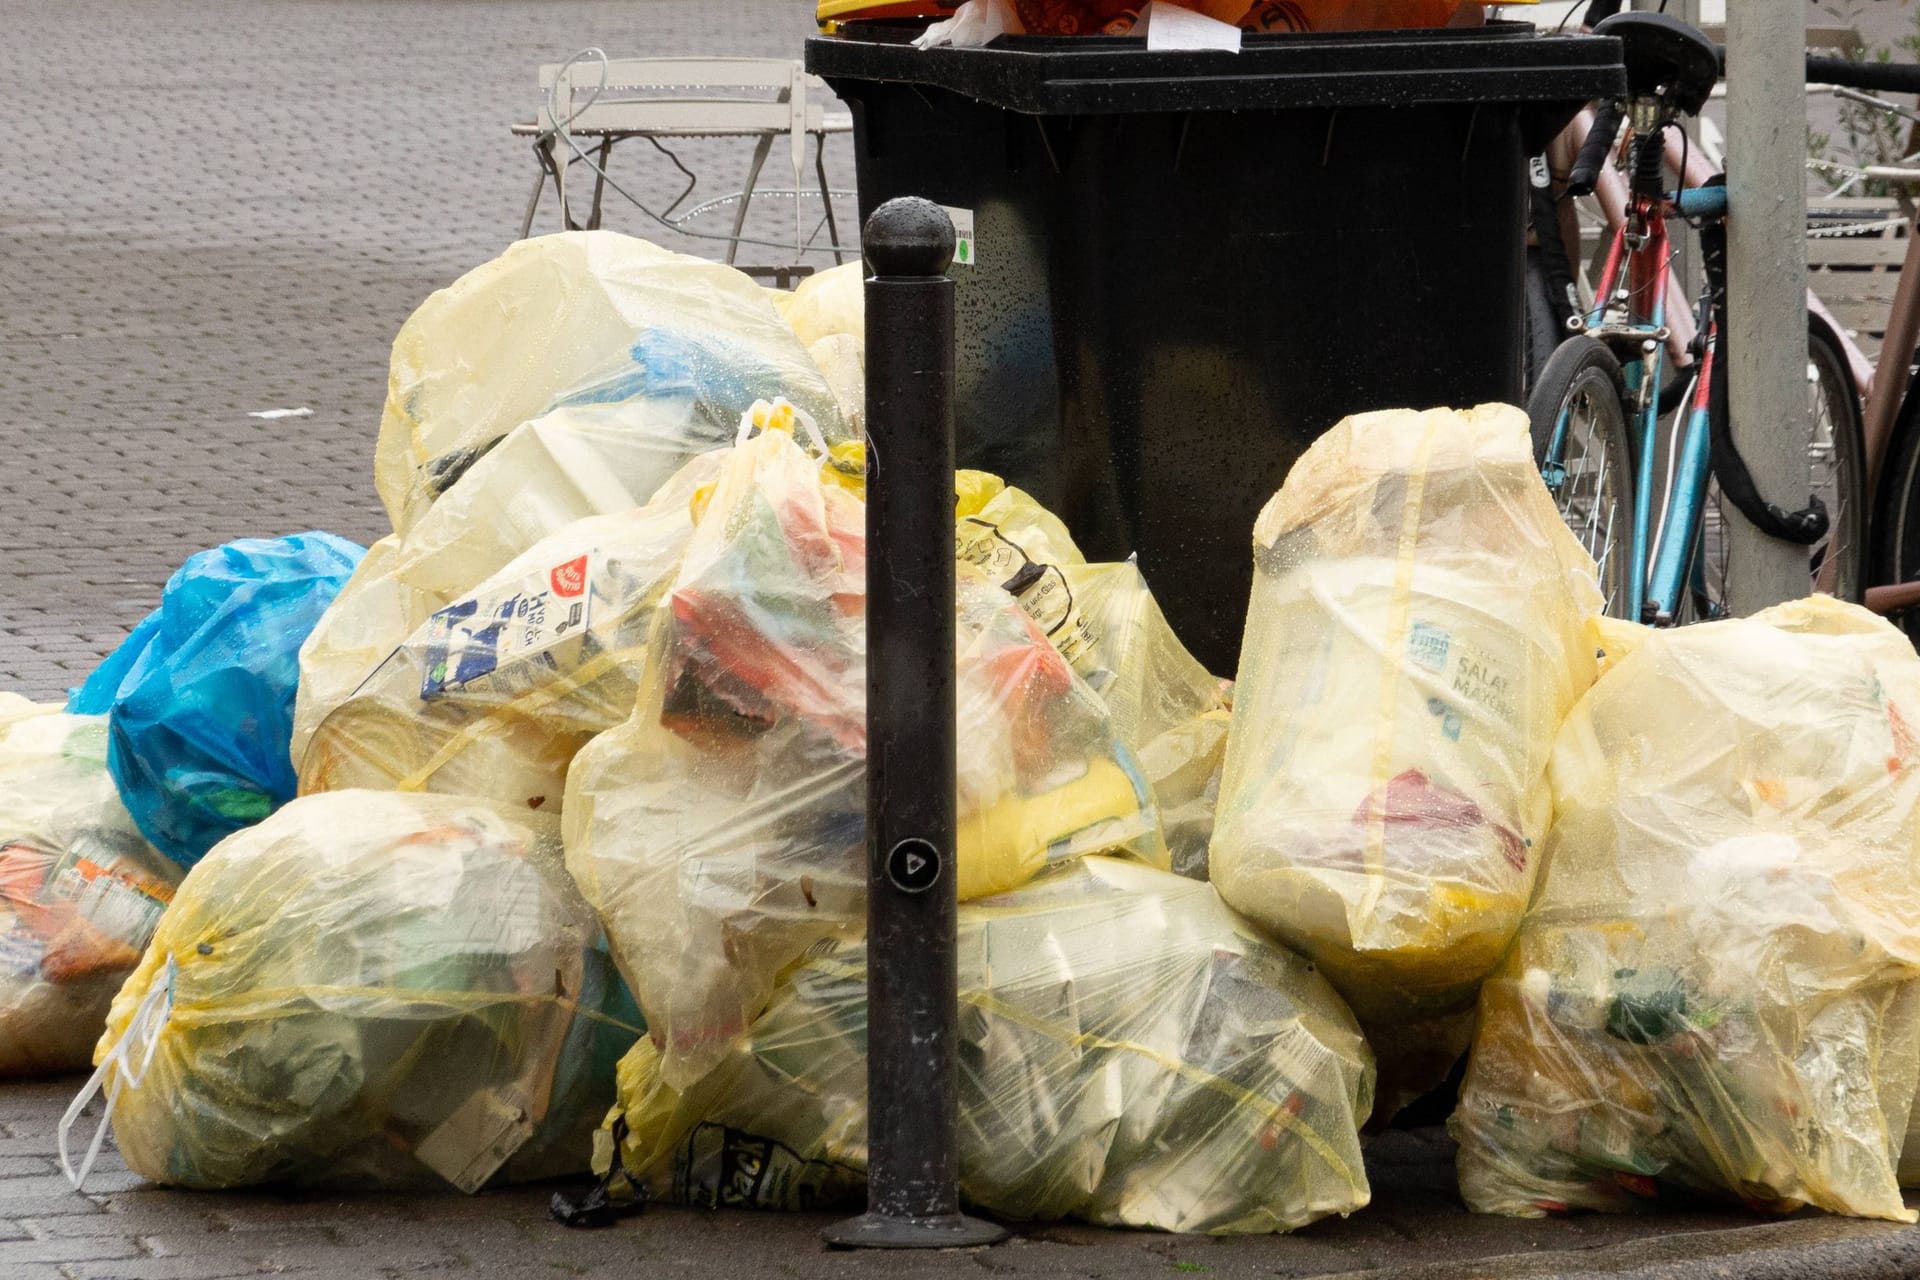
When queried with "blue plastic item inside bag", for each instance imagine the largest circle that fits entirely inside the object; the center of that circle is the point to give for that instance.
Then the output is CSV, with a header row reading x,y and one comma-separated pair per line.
x,y
199,698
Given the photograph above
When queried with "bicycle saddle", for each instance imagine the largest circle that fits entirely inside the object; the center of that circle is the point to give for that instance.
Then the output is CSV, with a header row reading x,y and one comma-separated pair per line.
x,y
1665,56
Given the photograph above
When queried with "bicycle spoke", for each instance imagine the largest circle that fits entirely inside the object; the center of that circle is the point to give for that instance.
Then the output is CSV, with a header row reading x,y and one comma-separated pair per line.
x,y
1587,498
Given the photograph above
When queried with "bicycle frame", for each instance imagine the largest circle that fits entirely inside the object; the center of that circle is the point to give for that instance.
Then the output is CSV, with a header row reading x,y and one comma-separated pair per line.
x,y
1662,561
1691,163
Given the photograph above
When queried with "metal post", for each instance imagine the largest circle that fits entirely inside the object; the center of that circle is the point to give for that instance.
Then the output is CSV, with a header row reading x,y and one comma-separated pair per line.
x,y
913,1166
1767,285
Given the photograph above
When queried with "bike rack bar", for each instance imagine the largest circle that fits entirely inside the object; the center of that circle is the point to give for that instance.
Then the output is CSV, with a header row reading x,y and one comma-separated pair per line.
x,y
913,1166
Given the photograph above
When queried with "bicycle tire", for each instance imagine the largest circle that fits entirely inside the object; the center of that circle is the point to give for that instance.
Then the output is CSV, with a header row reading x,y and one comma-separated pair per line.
x,y
1594,486
1896,516
1839,562
1546,329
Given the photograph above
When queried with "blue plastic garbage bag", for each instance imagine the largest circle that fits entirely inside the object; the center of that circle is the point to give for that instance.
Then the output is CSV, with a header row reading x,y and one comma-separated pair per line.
x,y
199,698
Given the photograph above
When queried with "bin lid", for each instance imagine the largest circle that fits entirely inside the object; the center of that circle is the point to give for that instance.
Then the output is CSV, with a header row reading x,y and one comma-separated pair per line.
x,y
1501,62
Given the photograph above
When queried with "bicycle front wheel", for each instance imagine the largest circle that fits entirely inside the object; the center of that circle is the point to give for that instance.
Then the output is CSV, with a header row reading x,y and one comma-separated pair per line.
x,y
1585,453
1837,468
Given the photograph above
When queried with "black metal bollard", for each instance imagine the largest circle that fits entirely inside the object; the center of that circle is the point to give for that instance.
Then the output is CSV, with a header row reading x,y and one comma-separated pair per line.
x,y
913,1167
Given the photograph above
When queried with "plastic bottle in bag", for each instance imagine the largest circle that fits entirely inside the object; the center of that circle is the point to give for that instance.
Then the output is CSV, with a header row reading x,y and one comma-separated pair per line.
x,y
1104,620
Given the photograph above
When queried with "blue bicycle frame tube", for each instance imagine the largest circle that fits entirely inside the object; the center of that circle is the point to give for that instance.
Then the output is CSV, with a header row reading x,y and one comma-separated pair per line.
x,y
1636,373
1678,543
1678,560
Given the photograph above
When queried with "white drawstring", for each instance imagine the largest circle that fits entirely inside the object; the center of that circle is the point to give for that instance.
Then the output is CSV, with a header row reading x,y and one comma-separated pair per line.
x,y
762,410
148,1020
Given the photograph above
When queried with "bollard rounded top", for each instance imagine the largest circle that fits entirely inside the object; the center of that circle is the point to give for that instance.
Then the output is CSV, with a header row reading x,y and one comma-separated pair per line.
x,y
908,236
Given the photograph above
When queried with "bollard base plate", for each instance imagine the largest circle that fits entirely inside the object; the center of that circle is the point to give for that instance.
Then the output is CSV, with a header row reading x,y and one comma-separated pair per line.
x,y
885,1231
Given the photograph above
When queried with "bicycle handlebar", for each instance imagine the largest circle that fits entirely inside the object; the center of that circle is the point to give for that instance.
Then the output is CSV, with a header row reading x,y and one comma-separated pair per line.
x,y
1585,174
1888,77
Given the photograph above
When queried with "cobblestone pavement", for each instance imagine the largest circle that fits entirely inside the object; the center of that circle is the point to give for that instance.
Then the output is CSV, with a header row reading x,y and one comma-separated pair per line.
x,y
123,1229
208,209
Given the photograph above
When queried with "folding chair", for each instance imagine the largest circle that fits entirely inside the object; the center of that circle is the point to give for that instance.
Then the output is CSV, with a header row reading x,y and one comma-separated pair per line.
x,y
638,100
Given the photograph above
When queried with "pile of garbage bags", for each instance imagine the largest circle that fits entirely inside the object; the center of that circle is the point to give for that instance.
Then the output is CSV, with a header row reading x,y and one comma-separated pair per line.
x,y
573,376
576,871
721,831
624,599
1418,630
1715,992
1131,1052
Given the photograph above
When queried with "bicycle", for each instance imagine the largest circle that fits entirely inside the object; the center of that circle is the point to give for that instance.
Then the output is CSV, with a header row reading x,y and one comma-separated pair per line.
x,y
1602,473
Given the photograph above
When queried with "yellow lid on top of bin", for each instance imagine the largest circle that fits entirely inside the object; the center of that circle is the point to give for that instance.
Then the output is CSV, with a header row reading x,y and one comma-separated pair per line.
x,y
1091,16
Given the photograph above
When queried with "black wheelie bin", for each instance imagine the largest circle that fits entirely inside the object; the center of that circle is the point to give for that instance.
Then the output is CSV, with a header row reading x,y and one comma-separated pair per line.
x,y
1184,266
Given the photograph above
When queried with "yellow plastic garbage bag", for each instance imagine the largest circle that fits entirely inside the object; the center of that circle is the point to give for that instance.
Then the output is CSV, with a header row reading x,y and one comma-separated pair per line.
x,y
1183,766
827,304
1715,991
493,695
842,361
721,831
367,989
827,312
1106,622
1417,631
575,462
80,889
373,613
583,318
1131,1053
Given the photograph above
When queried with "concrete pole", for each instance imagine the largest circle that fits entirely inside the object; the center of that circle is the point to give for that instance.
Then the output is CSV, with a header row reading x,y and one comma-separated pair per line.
x,y
1767,285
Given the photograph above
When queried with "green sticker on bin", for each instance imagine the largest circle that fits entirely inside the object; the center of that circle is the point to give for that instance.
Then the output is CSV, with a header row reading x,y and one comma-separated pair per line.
x,y
963,241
